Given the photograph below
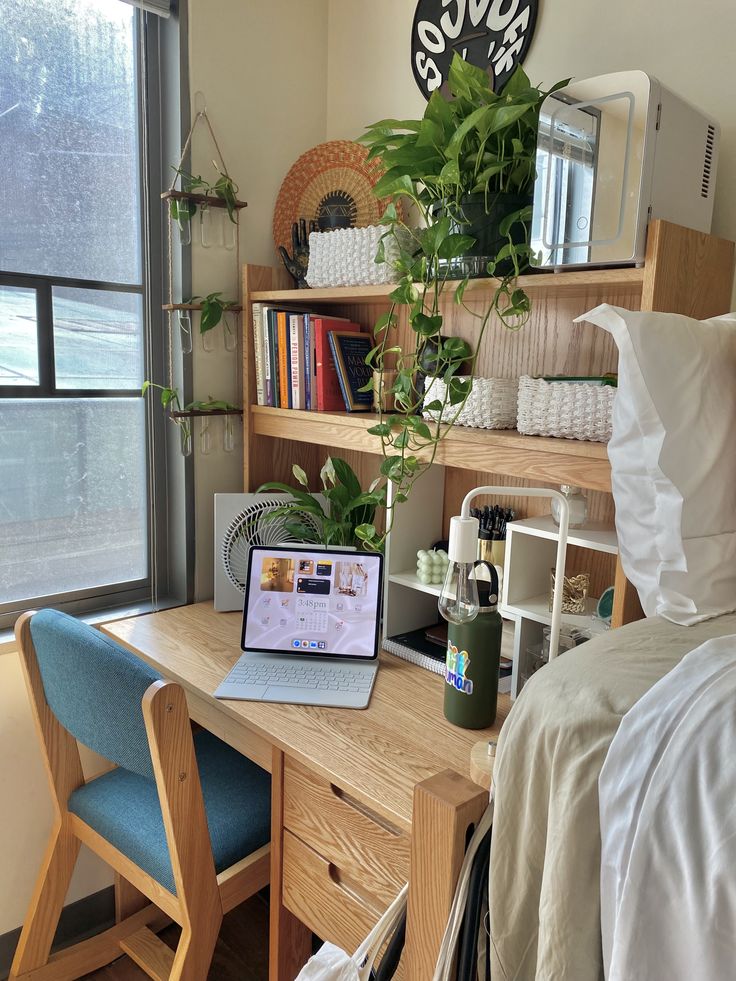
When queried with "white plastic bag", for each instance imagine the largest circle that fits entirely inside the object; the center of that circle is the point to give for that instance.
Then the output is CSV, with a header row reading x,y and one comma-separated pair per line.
x,y
330,963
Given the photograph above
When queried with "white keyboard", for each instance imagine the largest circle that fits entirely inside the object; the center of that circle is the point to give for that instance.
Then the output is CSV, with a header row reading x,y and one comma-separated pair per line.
x,y
308,682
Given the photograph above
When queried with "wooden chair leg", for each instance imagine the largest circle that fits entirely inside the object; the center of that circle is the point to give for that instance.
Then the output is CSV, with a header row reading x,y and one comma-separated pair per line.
x,y
47,903
196,948
128,899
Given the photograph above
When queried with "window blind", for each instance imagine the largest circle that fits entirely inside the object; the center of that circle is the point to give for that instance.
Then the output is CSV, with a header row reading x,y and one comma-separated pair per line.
x,y
160,7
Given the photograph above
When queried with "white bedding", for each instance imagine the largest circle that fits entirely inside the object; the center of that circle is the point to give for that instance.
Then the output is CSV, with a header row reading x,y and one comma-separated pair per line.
x,y
545,853
668,827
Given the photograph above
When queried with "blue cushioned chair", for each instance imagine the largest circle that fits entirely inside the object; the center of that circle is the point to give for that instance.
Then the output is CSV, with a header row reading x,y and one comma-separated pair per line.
x,y
183,820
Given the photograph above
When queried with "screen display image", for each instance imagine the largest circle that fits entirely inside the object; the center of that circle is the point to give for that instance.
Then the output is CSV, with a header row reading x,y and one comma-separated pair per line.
x,y
312,602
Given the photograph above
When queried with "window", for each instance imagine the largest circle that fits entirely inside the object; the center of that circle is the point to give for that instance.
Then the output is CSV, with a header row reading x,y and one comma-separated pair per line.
x,y
74,513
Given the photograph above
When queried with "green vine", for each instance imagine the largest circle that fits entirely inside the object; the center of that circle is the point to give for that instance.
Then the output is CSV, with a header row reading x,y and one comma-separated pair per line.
x,y
472,142
182,210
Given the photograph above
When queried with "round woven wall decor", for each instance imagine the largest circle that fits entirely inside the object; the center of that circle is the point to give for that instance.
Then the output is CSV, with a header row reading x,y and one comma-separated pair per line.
x,y
331,184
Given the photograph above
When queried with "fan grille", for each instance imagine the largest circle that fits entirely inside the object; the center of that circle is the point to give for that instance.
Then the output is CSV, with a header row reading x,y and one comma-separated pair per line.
x,y
252,527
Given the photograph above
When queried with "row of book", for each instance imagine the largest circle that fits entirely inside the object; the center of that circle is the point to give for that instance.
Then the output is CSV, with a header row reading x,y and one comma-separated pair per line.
x,y
304,360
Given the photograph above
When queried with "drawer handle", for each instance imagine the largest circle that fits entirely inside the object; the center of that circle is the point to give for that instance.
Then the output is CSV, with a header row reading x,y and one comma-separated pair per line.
x,y
362,809
353,890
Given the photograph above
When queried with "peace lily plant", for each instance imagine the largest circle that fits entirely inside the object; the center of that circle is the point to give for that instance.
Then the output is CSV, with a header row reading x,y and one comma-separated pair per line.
x,y
471,156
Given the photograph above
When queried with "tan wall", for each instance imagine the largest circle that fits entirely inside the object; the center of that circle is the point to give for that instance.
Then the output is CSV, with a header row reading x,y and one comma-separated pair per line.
x,y
25,804
262,67
688,48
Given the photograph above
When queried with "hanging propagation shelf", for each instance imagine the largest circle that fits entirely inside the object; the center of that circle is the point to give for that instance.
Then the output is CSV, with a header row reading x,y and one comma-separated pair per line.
x,y
210,200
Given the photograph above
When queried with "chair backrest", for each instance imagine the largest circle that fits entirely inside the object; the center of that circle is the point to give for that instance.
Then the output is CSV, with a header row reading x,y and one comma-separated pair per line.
x,y
94,688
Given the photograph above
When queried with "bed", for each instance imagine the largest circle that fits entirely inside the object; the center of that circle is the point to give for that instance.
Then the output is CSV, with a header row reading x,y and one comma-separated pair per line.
x,y
546,846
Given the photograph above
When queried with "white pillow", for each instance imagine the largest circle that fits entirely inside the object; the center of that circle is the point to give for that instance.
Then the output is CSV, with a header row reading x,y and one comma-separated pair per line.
x,y
673,459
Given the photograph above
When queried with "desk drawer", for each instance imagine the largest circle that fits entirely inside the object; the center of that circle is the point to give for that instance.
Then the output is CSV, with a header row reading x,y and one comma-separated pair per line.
x,y
318,894
364,846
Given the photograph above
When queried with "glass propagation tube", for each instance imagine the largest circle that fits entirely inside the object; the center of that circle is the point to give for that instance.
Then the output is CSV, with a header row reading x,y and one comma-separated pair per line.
x,y
185,328
228,433
205,437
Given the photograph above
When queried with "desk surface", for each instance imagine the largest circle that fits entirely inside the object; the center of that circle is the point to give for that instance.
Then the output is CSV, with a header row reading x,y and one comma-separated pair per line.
x,y
376,755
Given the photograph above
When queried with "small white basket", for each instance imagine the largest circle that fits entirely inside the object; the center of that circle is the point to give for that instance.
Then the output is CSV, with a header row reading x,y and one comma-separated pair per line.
x,y
572,410
346,257
491,403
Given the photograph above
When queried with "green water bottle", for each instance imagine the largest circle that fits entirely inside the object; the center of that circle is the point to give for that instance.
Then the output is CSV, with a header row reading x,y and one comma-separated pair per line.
x,y
473,657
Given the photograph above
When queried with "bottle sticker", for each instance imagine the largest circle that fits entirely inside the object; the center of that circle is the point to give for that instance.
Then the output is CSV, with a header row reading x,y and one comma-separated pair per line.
x,y
456,668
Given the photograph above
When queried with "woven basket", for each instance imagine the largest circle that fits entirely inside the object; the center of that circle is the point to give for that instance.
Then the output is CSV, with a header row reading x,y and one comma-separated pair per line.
x,y
490,405
567,409
346,257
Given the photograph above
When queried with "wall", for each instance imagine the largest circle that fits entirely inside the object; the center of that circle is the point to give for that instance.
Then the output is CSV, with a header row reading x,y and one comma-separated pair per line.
x,y
25,805
688,49
262,67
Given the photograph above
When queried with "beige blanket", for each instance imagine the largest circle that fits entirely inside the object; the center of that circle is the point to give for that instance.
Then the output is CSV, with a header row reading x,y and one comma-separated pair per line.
x,y
545,854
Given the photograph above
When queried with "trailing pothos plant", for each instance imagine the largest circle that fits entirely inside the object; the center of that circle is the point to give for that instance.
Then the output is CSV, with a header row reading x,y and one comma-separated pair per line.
x,y
471,143
170,400
213,309
183,210
349,517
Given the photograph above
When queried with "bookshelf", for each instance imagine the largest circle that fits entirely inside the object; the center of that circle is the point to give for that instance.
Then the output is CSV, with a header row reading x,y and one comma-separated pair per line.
x,y
684,272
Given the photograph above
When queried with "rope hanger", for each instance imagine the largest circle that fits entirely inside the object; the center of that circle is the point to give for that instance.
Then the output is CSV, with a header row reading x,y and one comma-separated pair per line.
x,y
200,116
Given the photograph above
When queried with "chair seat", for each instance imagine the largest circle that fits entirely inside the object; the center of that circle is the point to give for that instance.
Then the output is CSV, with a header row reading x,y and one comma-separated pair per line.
x,y
123,807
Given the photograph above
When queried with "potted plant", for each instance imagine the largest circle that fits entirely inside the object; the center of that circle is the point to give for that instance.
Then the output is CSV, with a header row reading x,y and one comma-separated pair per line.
x,y
467,168
349,517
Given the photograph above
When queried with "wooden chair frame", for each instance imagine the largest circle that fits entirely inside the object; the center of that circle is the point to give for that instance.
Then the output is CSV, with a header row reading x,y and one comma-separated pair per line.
x,y
202,897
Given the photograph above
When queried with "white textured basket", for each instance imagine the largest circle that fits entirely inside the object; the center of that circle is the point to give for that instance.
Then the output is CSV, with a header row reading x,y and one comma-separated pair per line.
x,y
346,257
568,409
491,403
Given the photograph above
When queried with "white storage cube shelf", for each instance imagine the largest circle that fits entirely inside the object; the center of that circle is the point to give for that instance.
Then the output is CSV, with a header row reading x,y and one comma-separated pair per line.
x,y
531,547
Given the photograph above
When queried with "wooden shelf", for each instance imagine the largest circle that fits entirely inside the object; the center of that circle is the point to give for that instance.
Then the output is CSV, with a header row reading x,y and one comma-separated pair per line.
x,y
502,451
210,200
197,306
573,282
196,413
537,608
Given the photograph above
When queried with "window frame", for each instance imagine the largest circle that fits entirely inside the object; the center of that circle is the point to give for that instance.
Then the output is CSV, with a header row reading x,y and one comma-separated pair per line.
x,y
162,95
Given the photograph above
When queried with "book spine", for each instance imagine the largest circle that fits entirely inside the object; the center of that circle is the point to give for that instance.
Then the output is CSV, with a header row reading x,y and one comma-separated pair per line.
x,y
284,359
307,362
336,361
258,353
296,348
273,341
267,359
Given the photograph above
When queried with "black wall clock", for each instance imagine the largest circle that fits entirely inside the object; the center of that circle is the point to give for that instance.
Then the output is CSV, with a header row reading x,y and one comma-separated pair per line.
x,y
493,34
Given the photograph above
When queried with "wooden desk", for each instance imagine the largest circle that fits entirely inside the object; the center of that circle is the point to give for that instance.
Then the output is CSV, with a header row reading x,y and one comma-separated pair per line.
x,y
361,799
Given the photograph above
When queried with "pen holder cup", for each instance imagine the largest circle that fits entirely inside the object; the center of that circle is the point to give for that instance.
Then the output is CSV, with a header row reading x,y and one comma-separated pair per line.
x,y
493,552
574,592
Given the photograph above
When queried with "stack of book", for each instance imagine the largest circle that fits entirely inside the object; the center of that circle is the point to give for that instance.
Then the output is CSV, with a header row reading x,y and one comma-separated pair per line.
x,y
305,360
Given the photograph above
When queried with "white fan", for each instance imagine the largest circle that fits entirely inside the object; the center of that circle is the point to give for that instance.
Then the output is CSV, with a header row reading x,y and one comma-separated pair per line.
x,y
240,521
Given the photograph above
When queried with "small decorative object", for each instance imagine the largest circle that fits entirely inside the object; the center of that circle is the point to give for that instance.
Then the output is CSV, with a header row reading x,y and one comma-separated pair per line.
x,y
431,566
332,185
492,34
577,504
574,592
383,397
347,257
349,351
491,403
604,608
298,262
568,409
